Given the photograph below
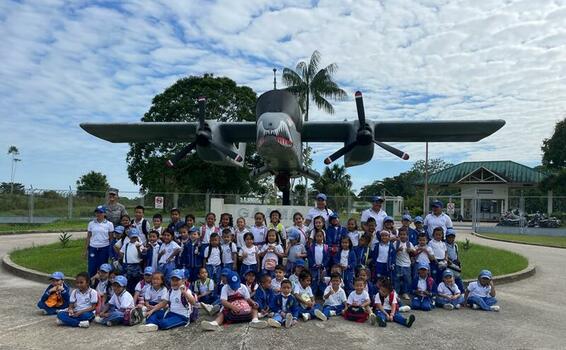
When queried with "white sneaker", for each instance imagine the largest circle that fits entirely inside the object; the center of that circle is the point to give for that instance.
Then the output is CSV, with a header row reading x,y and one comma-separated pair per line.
x,y
448,307
109,324
457,306
273,323
475,306
215,309
288,320
207,307
98,319
59,322
150,327
404,308
320,315
209,326
84,324
372,319
495,308
306,316
405,296
332,313
258,324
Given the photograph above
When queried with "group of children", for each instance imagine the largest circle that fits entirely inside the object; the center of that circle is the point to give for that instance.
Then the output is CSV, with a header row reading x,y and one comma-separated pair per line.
x,y
266,274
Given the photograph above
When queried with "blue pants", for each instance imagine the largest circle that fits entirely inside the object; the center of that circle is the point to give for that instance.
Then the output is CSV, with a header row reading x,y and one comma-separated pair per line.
x,y
172,320
310,311
228,266
277,317
191,273
440,301
317,284
50,310
290,269
436,272
74,321
484,303
397,318
166,270
97,257
211,299
115,316
214,272
133,274
348,277
421,303
337,308
382,270
245,268
155,317
402,279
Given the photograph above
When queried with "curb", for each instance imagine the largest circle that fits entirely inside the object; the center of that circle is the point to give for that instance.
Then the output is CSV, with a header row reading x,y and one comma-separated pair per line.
x,y
26,273
516,242
527,272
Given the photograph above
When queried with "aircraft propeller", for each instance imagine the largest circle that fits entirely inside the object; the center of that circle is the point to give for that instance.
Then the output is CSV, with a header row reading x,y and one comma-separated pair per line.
x,y
364,136
203,139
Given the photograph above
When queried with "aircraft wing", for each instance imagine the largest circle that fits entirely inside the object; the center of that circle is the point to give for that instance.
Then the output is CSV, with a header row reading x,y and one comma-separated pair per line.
x,y
403,131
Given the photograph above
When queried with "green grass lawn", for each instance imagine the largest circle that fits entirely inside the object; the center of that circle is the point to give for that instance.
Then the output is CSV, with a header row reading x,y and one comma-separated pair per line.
x,y
498,261
69,260
59,225
553,241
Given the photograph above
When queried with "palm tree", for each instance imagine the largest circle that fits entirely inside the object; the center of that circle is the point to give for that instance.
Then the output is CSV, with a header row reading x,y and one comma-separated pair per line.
x,y
14,152
308,83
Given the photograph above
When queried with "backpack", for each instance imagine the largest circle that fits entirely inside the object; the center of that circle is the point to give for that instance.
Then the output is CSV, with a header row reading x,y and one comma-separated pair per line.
x,y
356,314
210,251
245,313
391,298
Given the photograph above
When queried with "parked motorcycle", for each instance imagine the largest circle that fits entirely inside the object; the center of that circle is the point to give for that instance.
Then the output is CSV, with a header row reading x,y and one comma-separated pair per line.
x,y
540,220
511,218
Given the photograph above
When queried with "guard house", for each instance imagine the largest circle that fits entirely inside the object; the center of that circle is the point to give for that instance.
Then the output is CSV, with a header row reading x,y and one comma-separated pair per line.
x,y
493,187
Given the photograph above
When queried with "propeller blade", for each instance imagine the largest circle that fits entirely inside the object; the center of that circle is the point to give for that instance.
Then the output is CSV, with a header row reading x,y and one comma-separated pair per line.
x,y
360,108
342,151
201,107
182,153
393,150
227,152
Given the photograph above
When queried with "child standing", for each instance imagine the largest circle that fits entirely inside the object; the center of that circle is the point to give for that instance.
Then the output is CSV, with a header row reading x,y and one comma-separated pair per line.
x,y
363,256
275,224
208,229
389,226
82,304
56,295
240,231
439,264
318,257
152,249
424,288
334,297
423,253
213,258
452,257
334,234
353,232
346,259
229,250
449,295
175,223
249,255
258,230
307,305
156,299
270,253
140,223
190,222
299,220
191,258
167,252
295,250
358,305
480,294
411,232
284,307
157,221
384,256
387,308
404,248
131,254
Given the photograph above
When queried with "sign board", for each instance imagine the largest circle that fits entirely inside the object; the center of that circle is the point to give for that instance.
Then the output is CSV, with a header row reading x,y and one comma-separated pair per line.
x,y
450,207
158,202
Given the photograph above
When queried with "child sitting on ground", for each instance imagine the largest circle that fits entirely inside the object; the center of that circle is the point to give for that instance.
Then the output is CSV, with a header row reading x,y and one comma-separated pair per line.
x,y
334,296
264,296
308,308
82,304
121,307
358,305
205,290
101,283
423,289
387,308
299,268
156,299
480,294
285,307
279,277
237,306
56,295
449,295
452,256
142,286
250,282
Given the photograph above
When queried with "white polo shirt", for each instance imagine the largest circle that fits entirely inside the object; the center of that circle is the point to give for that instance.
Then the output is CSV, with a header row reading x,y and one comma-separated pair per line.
x,y
432,221
155,296
131,254
477,290
370,213
227,250
84,300
358,299
438,248
336,298
214,258
138,225
314,212
227,291
122,301
383,253
402,258
176,304
240,237
423,256
444,289
259,234
167,250
100,233
251,255
270,255
387,303
142,289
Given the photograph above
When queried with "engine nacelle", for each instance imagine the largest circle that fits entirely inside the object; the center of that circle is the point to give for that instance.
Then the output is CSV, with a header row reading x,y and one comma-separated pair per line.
x,y
211,155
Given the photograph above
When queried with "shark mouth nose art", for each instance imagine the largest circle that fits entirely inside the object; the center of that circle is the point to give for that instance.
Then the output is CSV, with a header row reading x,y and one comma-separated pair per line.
x,y
281,134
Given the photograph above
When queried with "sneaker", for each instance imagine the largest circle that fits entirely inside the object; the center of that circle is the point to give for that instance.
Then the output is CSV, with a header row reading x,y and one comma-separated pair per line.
x,y
404,308
109,324
273,323
448,307
59,322
150,327
475,306
306,316
405,296
41,312
381,322
332,313
410,321
288,320
207,307
98,319
209,326
372,319
320,315
258,324
84,324
457,306
214,310
495,308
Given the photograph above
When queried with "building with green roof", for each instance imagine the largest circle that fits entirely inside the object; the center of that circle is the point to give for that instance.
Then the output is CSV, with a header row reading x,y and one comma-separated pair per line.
x,y
486,186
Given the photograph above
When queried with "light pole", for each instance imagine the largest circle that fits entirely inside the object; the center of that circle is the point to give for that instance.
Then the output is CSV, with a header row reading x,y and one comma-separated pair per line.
x,y
425,194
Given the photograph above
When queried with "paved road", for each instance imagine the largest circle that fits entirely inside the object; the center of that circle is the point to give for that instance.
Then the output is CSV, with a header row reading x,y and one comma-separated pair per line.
x,y
533,316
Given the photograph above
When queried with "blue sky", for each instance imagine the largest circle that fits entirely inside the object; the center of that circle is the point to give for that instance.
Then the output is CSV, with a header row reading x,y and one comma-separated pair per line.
x,y
66,62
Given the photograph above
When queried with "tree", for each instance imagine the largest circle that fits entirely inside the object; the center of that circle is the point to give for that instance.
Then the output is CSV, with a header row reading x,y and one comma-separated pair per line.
x,y
14,152
554,160
434,166
225,101
337,184
92,184
13,188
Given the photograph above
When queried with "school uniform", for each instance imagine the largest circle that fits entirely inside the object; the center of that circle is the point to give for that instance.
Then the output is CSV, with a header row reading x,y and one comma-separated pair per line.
x,y
228,249
389,303
354,237
103,288
422,258
249,263
334,235
98,248
239,295
57,300
281,305
423,302
119,305
303,234
191,259
208,285
318,257
455,266
314,212
259,233
179,313
281,232
335,302
437,267
240,242
348,259
213,261
432,221
403,273
174,227
167,250
276,285
293,256
270,260
80,301
383,258
306,292
363,255
480,295
143,228
413,236
445,289
131,266
154,297
378,216
141,287
150,255
264,298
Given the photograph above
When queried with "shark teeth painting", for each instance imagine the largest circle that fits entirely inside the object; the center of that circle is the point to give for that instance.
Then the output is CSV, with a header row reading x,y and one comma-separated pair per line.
x,y
281,134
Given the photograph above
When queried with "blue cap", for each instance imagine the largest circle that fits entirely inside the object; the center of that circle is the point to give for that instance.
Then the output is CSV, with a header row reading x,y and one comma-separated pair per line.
x,y
321,197
447,273
178,273
294,234
419,219
450,232
148,270
105,267
388,218
437,204
119,229
333,216
57,275
423,265
121,280
299,262
225,272
485,274
134,232
376,199
100,209
234,280
407,217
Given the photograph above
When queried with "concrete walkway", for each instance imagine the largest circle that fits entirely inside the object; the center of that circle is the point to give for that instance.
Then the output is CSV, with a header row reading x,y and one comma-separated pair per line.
x,y
529,319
